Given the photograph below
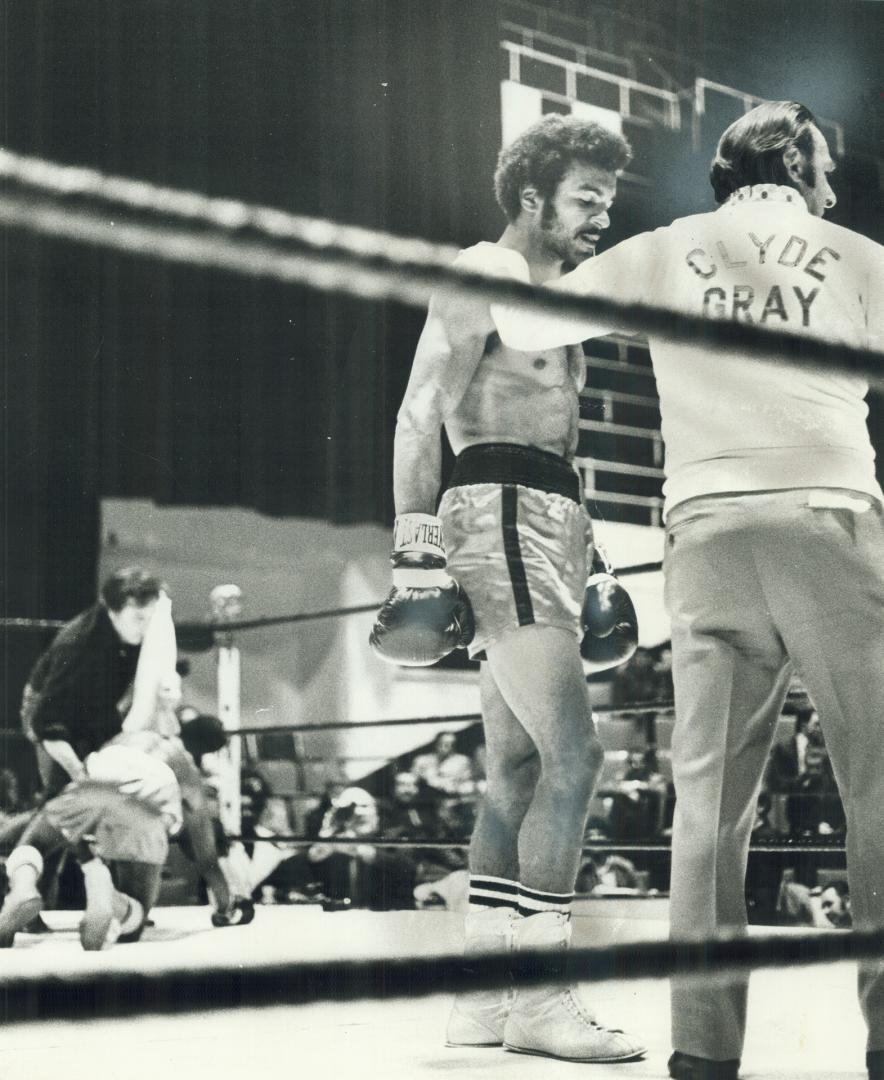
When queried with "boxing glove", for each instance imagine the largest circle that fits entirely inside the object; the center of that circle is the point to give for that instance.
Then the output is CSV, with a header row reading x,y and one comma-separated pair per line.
x,y
240,913
609,620
427,613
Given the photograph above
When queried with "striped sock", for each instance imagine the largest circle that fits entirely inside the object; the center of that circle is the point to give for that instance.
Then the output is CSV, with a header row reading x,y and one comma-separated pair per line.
x,y
492,892
532,902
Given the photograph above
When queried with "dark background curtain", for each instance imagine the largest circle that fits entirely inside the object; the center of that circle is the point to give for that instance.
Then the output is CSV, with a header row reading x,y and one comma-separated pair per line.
x,y
129,377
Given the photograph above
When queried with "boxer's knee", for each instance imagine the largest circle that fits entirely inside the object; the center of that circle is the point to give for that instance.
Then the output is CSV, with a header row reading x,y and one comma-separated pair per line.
x,y
572,767
569,782
511,781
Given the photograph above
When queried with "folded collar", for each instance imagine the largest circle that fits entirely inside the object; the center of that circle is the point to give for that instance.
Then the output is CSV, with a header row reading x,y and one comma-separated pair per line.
x,y
767,193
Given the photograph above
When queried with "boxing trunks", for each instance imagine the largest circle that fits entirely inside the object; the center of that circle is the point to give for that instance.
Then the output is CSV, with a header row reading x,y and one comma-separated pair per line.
x,y
516,538
127,806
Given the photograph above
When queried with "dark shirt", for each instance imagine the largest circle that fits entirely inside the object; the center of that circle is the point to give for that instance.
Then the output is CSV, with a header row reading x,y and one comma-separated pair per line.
x,y
408,821
74,688
387,884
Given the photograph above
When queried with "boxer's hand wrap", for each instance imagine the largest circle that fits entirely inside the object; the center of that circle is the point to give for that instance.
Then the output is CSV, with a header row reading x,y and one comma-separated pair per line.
x,y
609,619
427,613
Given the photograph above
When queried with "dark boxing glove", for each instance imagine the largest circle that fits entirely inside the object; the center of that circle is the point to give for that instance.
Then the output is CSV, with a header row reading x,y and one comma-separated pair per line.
x,y
427,614
609,619
240,913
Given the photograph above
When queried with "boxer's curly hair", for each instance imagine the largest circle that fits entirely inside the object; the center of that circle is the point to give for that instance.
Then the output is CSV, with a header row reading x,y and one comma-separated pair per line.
x,y
751,149
542,154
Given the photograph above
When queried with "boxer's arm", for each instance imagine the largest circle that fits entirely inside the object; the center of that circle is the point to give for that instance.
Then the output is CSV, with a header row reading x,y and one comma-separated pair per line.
x,y
155,669
63,754
447,355
618,274
201,833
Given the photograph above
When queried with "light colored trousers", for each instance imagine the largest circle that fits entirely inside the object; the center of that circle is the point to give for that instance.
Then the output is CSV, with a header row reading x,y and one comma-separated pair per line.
x,y
757,585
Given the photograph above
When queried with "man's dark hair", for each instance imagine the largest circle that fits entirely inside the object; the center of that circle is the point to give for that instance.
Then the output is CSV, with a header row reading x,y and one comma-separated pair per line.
x,y
751,150
839,885
542,154
130,583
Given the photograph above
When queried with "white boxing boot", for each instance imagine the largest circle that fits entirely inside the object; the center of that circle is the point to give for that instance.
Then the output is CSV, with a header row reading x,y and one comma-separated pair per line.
x,y
552,1020
23,901
478,1017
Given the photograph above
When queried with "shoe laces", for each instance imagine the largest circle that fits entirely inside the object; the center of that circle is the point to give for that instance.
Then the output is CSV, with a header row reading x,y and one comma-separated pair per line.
x,y
579,1010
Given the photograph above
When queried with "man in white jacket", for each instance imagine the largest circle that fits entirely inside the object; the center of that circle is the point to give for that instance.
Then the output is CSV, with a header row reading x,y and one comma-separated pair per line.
x,y
774,556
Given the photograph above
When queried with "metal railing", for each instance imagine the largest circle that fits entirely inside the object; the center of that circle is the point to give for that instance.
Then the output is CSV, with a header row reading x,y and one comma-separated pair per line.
x,y
602,478
582,53
627,88
749,101
622,24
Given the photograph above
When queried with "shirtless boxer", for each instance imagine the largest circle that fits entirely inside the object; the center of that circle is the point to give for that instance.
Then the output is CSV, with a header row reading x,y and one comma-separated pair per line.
x,y
774,554
518,543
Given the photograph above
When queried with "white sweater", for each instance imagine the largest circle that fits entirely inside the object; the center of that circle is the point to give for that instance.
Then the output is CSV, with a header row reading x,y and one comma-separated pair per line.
x,y
731,422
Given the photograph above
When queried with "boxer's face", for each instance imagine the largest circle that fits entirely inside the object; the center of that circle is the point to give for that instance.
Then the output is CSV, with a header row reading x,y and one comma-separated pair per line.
x,y
573,220
131,621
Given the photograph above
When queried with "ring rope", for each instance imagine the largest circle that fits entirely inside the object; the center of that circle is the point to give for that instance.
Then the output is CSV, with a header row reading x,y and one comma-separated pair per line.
x,y
590,847
199,629
102,994
639,568
136,217
636,709
610,711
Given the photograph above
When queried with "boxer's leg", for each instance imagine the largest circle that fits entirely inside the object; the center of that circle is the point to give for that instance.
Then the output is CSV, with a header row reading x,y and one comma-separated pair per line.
x,y
539,673
25,871
138,882
513,767
540,678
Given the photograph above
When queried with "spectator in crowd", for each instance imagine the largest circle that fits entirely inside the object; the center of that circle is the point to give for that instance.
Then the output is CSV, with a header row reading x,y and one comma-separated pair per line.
x,y
763,831
409,814
794,906
663,673
455,820
273,866
607,875
11,801
799,905
814,807
331,791
786,762
638,798
835,904
72,701
361,872
637,680
444,769
254,791
15,812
